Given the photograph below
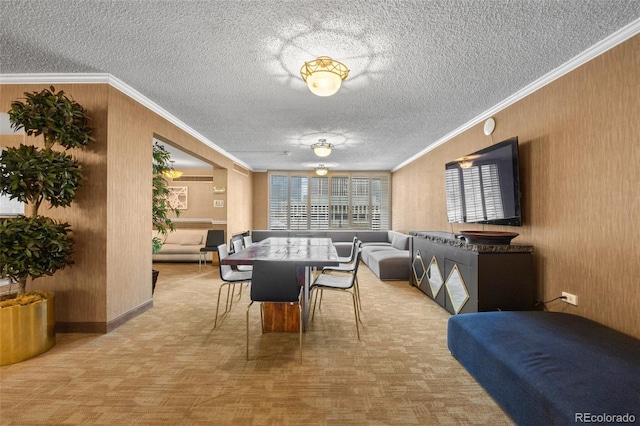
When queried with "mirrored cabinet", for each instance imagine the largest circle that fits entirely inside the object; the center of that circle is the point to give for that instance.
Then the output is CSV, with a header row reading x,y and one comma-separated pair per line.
x,y
463,277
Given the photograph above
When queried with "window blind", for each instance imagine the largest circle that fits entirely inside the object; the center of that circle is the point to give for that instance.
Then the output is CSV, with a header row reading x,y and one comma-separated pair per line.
x,y
349,201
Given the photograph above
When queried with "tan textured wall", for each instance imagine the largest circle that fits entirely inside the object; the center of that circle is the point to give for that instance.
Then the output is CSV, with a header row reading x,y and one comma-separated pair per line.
x,y
261,200
128,202
239,202
111,217
579,155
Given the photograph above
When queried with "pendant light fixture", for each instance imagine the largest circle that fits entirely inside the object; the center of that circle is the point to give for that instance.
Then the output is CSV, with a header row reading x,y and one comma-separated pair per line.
x,y
172,173
321,170
322,148
324,75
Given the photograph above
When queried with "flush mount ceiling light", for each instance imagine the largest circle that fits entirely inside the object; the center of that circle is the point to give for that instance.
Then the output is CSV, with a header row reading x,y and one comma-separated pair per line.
x,y
322,148
465,163
172,173
321,170
324,75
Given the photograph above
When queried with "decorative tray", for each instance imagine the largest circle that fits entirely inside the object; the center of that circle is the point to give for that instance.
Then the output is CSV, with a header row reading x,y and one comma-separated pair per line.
x,y
488,237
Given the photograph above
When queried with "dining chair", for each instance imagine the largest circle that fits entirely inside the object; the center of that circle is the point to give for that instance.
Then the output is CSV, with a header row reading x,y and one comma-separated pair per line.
x,y
237,246
343,283
275,282
349,259
347,267
230,279
247,240
215,237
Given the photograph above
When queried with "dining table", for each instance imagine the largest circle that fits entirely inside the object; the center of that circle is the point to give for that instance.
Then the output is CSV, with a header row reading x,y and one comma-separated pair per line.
x,y
310,253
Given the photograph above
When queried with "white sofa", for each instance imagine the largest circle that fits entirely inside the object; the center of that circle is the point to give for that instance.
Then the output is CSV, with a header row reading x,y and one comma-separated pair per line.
x,y
181,245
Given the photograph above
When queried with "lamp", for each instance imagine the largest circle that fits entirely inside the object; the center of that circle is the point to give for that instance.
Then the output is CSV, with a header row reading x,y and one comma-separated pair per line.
x,y
465,163
324,75
322,148
321,170
172,173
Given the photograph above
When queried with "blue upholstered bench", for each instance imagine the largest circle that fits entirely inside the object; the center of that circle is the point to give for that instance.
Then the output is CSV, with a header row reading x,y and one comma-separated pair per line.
x,y
550,368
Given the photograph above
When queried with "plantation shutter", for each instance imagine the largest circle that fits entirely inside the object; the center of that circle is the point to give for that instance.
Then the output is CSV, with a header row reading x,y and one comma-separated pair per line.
x,y
339,202
279,202
319,194
344,201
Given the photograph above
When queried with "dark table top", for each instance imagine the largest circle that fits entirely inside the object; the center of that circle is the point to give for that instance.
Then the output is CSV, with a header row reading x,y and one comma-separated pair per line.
x,y
305,251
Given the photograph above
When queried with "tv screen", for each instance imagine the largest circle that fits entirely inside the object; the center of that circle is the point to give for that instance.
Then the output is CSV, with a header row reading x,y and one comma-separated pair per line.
x,y
484,187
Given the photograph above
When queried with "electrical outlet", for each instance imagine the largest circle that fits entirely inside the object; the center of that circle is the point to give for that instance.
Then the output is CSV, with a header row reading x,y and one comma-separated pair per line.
x,y
571,299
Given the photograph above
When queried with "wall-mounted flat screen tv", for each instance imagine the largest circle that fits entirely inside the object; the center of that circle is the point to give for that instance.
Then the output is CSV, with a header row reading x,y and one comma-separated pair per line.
x,y
484,187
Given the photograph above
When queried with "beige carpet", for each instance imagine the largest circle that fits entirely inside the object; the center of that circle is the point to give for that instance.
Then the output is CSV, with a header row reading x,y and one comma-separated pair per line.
x,y
168,366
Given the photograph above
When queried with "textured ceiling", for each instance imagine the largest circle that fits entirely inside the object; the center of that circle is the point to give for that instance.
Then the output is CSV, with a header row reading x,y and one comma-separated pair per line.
x,y
229,70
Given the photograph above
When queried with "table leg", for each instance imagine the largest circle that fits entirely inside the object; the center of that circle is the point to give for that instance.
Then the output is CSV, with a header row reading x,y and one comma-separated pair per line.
x,y
305,298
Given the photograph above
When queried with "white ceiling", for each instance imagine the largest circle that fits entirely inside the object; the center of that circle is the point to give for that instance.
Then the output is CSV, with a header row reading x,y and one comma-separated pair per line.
x,y
229,70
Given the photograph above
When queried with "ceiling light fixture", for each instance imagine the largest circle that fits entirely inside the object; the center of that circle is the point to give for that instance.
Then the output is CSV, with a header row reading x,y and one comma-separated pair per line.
x,y
172,173
465,163
324,75
322,148
321,170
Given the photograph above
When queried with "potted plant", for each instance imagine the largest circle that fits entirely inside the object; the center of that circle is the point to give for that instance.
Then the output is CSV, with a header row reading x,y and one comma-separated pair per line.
x,y
33,245
160,204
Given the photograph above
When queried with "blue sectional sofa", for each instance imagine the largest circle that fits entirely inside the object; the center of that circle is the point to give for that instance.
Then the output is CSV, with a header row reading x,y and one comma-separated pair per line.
x,y
386,253
550,368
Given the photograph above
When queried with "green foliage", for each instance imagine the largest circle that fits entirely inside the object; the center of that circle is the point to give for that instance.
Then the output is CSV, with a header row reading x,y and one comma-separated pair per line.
x,y
60,119
31,176
160,207
33,247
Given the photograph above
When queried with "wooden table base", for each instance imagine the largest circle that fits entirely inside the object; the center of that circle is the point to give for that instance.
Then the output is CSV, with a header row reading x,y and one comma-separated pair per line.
x,y
280,318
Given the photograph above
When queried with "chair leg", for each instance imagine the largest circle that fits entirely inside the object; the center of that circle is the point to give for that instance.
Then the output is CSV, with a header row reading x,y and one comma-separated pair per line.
x,y
230,289
357,286
356,291
313,291
300,328
215,323
248,329
355,311
202,259
320,304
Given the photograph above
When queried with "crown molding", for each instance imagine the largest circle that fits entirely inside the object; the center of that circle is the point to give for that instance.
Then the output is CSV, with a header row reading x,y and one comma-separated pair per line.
x,y
87,78
594,51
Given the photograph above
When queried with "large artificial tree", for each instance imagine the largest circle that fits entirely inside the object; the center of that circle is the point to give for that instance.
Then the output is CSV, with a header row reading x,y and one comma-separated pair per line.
x,y
160,206
33,245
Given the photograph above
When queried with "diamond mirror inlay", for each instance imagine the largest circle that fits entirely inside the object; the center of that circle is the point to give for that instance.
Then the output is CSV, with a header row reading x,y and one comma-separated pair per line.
x,y
457,289
418,268
435,276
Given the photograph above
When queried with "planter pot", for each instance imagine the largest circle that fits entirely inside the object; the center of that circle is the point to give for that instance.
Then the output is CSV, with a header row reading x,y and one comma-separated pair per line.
x,y
26,331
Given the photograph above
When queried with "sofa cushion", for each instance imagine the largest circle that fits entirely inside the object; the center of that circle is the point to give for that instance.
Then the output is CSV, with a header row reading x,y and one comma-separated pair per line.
x,y
262,234
367,250
341,236
191,239
373,236
173,238
546,368
390,264
400,241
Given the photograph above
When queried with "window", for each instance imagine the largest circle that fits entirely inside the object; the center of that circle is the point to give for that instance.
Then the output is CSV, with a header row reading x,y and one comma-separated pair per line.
x,y
344,201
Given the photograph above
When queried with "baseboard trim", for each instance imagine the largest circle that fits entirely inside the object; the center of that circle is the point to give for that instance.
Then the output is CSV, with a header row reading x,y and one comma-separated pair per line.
x,y
103,327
